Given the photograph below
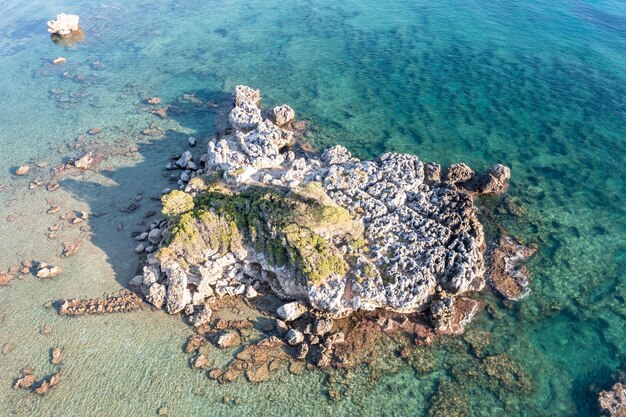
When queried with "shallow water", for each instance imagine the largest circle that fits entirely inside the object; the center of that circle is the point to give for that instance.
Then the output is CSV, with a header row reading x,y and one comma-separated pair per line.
x,y
539,86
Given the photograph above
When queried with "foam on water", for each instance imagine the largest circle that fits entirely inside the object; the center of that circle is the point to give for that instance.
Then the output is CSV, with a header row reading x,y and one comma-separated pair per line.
x,y
539,86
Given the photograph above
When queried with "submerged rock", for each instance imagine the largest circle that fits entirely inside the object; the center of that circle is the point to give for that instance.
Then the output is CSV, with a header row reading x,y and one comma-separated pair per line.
x,y
508,275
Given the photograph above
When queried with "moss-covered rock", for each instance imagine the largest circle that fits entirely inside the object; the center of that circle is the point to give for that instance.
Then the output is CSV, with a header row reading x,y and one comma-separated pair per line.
x,y
176,203
291,228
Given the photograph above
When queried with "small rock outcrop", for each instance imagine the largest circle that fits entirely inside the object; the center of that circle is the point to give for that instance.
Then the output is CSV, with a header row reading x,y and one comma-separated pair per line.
x,y
508,275
64,24
613,402
127,301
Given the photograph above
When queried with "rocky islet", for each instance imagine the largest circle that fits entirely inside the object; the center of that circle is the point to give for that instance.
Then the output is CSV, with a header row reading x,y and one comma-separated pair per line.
x,y
329,234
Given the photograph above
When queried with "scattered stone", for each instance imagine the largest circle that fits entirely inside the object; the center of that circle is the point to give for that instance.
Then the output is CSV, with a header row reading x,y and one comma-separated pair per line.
x,y
56,356
163,411
294,337
228,339
53,209
45,329
194,342
59,60
47,383
26,381
201,361
45,270
94,130
22,170
70,248
52,186
154,100
495,181
124,302
322,326
161,112
192,141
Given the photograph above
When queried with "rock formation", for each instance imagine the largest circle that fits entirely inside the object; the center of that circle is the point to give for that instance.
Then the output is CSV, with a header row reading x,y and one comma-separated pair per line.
x,y
613,402
64,24
333,234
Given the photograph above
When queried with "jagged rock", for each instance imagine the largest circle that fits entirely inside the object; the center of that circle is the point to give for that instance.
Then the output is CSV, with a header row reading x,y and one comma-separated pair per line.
x,y
64,24
244,93
177,295
294,337
495,181
246,116
336,155
450,315
459,173
228,339
613,402
184,159
85,162
302,351
202,315
508,275
291,311
47,383
56,356
282,115
194,342
156,295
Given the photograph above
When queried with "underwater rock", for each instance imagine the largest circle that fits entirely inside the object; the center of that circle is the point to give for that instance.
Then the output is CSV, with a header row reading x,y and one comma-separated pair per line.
x,y
22,170
507,275
56,356
228,339
85,162
124,302
613,401
64,24
45,270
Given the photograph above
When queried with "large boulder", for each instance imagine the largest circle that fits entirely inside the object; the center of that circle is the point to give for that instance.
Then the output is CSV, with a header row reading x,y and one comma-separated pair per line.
x,y
246,116
64,24
291,311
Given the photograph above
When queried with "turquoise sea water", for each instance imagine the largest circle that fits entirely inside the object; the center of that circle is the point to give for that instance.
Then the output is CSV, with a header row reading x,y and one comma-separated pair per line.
x,y
537,85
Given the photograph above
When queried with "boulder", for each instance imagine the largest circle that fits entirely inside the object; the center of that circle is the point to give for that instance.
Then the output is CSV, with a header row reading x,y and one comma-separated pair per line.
x,y
244,93
245,117
495,181
228,339
64,24
458,173
281,115
156,295
291,311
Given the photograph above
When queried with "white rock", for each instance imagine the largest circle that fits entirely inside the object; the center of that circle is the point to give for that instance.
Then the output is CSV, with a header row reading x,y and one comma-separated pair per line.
x,y
291,311
64,24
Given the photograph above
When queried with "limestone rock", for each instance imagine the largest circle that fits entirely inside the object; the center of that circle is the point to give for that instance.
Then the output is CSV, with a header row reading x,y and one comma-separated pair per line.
x,y
291,311
282,115
613,402
246,116
459,173
495,181
228,339
64,24
244,93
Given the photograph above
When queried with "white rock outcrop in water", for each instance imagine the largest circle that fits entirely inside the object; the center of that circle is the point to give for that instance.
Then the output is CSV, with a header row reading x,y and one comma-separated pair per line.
x,y
64,24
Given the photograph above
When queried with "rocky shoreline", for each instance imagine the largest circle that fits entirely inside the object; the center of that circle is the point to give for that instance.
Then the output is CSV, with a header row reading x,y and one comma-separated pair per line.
x,y
338,242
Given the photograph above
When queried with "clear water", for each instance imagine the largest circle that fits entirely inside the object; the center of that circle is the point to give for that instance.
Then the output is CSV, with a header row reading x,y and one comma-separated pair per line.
x,y
538,85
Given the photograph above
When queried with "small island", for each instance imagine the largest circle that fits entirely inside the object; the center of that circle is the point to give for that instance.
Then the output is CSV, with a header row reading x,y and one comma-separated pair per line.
x,y
333,249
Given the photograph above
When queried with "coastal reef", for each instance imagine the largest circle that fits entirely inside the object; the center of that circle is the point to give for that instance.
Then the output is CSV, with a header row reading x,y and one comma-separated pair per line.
x,y
329,235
